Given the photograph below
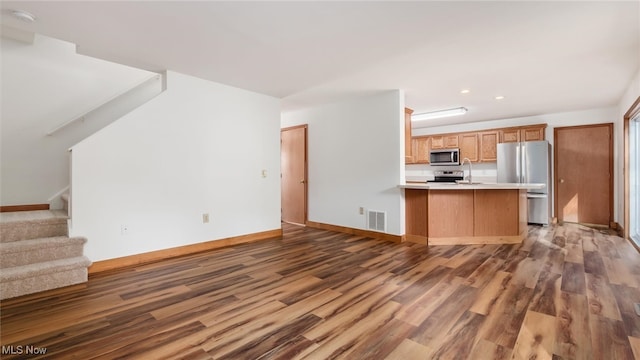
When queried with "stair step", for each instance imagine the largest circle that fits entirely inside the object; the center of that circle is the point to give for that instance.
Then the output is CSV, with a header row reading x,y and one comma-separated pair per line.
x,y
27,225
28,279
24,252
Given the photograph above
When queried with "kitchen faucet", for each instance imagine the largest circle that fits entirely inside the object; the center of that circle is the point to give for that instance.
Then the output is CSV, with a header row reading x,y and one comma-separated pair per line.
x,y
462,164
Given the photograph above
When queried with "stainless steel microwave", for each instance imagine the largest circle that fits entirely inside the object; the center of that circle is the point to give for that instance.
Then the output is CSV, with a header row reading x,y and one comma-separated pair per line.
x,y
444,157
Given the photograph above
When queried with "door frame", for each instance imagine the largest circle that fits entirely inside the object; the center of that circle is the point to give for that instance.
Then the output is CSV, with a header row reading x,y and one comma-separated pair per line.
x,y
306,167
633,111
555,166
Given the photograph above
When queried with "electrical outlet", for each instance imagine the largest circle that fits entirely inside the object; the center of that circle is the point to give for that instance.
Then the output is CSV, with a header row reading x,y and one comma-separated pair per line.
x,y
264,173
124,229
361,210
205,218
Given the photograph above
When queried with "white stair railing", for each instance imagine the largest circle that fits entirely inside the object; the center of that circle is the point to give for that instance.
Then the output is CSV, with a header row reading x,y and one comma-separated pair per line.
x,y
103,103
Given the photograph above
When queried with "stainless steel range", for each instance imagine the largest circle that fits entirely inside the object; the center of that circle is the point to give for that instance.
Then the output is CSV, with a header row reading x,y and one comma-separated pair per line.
x,y
447,176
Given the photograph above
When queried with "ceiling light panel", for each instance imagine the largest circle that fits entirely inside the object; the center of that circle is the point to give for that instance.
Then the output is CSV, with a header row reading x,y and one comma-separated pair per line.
x,y
439,114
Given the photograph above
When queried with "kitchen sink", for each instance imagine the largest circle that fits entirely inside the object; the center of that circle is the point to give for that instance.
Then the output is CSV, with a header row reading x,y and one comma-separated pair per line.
x,y
467,182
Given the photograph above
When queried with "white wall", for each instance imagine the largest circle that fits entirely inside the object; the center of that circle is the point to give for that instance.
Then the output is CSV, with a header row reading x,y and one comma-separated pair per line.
x,y
355,159
197,148
45,84
486,172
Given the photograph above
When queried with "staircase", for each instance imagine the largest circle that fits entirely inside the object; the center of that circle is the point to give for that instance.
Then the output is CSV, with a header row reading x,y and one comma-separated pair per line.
x,y
37,255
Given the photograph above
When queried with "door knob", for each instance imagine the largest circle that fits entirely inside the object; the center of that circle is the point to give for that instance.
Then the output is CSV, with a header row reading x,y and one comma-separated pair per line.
x,y
561,181
301,181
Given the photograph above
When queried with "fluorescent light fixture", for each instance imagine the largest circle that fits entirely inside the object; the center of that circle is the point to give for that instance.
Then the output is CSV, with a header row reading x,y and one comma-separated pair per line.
x,y
439,114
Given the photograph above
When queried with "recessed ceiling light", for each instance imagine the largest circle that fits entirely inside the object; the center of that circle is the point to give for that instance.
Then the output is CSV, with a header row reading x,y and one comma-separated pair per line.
x,y
23,15
499,97
465,91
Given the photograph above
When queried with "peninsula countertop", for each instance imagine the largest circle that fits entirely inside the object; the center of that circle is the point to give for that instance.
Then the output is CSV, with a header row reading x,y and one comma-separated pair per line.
x,y
473,186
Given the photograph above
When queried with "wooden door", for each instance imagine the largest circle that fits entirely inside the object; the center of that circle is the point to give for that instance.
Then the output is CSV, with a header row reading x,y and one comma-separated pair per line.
x,y
293,165
583,174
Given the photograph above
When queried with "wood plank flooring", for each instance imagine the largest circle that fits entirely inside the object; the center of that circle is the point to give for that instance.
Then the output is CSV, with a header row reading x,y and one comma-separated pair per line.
x,y
566,292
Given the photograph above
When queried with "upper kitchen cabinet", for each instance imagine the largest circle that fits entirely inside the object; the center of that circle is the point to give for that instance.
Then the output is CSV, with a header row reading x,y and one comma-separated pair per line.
x,y
478,146
527,133
469,146
421,148
534,133
449,141
488,145
510,135
408,151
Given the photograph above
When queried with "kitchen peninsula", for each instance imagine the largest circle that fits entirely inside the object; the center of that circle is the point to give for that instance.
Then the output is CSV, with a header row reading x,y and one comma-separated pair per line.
x,y
455,214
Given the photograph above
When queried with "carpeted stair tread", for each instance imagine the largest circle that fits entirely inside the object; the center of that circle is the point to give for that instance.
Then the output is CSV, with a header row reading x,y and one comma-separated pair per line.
x,y
37,255
18,253
17,230
44,268
40,243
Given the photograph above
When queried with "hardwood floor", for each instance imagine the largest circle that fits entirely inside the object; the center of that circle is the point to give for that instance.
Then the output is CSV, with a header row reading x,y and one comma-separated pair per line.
x,y
566,292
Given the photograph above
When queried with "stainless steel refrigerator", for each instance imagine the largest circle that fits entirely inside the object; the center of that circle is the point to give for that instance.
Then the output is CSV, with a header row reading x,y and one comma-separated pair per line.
x,y
528,162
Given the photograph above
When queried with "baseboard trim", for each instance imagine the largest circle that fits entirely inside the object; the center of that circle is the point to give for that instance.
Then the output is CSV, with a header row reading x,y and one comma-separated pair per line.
x,y
133,260
32,207
618,228
354,231
478,240
417,239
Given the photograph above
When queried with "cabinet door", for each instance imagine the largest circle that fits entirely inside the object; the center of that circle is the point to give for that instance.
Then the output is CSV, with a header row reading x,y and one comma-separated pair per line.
x,y
488,145
532,134
509,135
451,141
437,142
422,150
469,146
408,156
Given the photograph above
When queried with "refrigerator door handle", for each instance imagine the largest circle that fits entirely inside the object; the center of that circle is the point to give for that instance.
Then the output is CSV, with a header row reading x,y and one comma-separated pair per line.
x,y
536,196
523,171
518,160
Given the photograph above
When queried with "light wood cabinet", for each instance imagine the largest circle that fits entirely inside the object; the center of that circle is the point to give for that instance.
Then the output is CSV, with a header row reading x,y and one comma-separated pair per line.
x,y
416,215
480,146
509,135
437,142
527,133
469,146
408,146
532,133
488,146
421,150
466,216
449,141
450,213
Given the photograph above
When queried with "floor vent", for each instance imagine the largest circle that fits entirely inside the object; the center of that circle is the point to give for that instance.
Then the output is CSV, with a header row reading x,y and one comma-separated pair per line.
x,y
377,220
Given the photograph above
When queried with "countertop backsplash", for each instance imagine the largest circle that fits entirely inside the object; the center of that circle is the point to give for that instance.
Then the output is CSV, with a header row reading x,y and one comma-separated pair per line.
x,y
483,172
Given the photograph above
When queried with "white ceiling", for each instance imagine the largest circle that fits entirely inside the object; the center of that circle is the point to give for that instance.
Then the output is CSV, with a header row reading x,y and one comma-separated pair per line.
x,y
544,57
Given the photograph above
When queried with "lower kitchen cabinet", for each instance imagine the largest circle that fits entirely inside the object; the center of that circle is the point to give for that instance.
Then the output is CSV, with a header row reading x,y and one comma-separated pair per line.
x,y
465,216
